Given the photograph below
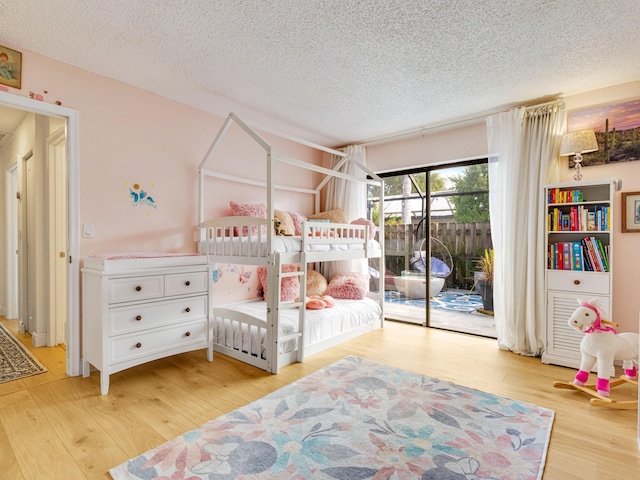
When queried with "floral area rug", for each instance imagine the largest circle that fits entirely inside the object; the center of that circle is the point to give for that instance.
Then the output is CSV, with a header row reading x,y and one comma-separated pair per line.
x,y
358,419
15,361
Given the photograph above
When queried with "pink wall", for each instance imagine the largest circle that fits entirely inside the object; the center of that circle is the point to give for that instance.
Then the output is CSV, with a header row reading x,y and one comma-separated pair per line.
x,y
469,141
129,136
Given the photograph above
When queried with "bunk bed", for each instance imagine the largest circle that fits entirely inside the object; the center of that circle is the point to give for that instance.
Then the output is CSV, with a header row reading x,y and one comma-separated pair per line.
x,y
272,333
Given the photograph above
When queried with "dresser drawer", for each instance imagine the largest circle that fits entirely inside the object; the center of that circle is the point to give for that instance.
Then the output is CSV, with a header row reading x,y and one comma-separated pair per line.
x,y
153,342
185,283
136,288
579,282
150,315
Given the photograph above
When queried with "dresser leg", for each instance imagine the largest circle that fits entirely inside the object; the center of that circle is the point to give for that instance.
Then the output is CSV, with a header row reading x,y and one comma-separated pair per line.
x,y
104,383
210,353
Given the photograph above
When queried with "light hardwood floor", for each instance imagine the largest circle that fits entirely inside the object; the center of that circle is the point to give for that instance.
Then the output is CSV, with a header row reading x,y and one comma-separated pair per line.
x,y
58,427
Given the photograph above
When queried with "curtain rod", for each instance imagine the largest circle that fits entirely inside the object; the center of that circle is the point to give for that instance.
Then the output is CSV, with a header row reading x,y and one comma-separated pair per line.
x,y
470,119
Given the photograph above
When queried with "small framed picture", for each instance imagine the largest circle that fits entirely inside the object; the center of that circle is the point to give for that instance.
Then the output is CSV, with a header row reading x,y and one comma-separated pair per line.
x,y
10,67
631,211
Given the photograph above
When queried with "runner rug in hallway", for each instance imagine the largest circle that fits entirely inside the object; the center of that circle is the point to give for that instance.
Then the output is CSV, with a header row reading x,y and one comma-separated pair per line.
x,y
358,419
15,360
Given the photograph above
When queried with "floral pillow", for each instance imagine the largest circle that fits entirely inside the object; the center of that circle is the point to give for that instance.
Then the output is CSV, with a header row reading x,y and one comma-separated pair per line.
x,y
350,286
289,286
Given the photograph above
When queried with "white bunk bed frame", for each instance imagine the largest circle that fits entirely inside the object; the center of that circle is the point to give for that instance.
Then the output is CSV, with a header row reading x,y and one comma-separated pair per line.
x,y
233,243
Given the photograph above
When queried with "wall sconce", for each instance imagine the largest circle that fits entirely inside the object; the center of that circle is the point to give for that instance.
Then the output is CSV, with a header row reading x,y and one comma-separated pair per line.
x,y
577,143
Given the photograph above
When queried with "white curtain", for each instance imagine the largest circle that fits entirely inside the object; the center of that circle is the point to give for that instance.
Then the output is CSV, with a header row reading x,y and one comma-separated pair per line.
x,y
351,197
524,145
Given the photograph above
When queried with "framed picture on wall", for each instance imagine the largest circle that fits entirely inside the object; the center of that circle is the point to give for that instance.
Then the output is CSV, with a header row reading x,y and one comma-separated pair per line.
x,y
631,212
617,129
10,67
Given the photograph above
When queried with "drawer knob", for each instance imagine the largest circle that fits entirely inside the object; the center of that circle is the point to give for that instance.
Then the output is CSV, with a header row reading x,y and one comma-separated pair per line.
x,y
187,283
187,309
138,288
188,334
138,345
576,282
139,317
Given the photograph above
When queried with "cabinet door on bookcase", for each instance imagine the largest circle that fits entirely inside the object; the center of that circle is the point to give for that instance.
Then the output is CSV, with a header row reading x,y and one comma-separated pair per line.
x,y
563,341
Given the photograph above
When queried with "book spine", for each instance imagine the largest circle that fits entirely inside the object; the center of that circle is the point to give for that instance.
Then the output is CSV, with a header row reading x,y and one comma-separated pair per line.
x,y
566,256
576,248
588,264
603,255
592,255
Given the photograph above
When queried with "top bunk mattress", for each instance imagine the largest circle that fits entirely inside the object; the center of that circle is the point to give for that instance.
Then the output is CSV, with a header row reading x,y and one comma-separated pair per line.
x,y
251,246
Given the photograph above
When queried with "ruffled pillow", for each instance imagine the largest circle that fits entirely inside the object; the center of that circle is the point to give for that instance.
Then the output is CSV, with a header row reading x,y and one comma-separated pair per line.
x,y
349,286
298,220
289,286
258,210
372,226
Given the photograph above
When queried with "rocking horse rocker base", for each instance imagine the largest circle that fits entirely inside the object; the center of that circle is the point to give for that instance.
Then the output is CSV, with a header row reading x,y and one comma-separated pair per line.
x,y
601,346
600,400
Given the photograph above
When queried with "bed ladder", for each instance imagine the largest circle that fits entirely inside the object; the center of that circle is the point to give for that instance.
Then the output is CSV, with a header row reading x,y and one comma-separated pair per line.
x,y
273,316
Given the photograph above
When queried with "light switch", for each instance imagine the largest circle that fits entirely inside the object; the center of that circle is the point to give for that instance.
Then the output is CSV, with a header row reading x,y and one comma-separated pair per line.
x,y
88,230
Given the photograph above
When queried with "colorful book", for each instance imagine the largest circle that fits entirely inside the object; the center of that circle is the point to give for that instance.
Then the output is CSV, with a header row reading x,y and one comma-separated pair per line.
x,y
577,261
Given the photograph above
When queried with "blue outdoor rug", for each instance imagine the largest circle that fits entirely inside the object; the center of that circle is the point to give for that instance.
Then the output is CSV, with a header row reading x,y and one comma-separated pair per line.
x,y
459,302
358,419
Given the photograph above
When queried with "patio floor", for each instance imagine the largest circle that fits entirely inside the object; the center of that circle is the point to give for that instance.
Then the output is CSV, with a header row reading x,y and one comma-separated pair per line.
x,y
450,310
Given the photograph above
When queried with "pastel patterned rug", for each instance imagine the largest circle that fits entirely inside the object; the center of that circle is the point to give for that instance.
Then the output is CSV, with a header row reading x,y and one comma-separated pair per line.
x,y
15,360
358,419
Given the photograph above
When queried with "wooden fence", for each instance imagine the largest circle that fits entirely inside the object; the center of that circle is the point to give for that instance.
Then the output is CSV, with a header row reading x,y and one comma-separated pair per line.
x,y
465,241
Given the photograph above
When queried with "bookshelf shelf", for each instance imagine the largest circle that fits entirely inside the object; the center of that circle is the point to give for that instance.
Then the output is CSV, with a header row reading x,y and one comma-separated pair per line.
x,y
579,260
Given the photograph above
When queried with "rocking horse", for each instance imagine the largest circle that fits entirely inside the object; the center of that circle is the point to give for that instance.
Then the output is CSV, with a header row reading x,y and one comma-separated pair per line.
x,y
601,346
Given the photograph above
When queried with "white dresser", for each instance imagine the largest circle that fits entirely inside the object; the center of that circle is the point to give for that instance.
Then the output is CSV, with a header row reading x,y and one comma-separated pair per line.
x,y
141,308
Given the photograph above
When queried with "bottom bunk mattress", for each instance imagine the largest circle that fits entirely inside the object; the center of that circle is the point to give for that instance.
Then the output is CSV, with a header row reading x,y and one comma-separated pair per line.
x,y
232,331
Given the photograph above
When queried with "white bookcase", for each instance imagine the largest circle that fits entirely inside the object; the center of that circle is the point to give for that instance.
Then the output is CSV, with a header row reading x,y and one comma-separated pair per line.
x,y
569,207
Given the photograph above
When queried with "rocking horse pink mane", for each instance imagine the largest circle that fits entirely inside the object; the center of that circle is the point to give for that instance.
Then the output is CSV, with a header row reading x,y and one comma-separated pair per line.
x,y
601,346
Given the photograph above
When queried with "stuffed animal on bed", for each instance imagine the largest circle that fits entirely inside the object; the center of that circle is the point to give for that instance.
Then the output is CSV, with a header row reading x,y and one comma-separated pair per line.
x,y
317,302
283,223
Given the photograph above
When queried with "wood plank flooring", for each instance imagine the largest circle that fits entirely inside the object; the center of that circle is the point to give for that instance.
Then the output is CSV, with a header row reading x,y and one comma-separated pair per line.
x,y
58,427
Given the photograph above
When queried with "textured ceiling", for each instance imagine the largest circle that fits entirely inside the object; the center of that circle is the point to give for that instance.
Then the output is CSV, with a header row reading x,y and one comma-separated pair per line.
x,y
339,71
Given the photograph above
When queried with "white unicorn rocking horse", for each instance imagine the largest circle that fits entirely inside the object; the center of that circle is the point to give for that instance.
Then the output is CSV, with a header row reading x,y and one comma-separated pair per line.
x,y
601,346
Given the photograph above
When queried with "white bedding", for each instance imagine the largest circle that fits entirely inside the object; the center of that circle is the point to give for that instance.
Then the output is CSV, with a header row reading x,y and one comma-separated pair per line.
x,y
252,247
320,324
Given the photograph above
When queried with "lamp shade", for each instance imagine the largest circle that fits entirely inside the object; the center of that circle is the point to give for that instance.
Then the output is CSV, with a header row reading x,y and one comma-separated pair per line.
x,y
581,141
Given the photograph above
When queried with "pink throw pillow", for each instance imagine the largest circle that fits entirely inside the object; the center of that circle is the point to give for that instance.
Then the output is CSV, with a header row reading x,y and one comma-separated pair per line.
x,y
289,286
350,286
372,226
258,210
298,220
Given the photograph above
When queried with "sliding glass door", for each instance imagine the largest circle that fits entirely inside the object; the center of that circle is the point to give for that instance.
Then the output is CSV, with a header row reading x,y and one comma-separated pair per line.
x,y
436,231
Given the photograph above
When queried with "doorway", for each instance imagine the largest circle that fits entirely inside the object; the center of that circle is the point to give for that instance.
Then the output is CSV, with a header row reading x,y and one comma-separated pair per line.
x,y
436,231
56,227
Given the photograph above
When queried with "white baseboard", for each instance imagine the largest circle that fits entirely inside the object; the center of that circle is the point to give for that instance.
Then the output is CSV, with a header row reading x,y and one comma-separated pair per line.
x,y
39,339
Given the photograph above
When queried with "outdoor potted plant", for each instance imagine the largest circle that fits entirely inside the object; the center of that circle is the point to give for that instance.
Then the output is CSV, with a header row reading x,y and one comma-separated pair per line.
x,y
485,279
